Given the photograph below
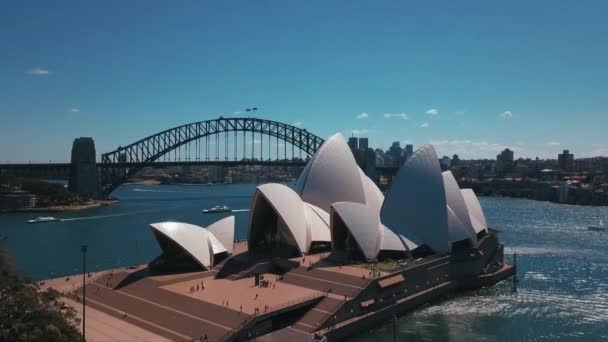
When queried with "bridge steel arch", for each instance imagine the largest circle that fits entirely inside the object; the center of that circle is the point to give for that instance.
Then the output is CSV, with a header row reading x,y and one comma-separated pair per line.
x,y
118,165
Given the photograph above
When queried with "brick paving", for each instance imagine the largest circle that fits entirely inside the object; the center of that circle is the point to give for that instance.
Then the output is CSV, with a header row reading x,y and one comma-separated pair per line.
x,y
214,313
149,315
332,276
325,285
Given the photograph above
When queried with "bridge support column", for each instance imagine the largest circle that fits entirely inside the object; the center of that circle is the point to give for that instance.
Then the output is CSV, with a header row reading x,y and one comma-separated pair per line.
x,y
84,177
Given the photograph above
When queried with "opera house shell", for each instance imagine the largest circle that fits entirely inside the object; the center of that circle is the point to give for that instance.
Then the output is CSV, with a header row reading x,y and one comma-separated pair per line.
x,y
427,206
296,221
187,246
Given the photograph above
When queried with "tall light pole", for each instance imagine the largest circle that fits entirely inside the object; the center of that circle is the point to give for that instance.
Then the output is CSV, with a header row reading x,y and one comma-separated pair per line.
x,y
83,249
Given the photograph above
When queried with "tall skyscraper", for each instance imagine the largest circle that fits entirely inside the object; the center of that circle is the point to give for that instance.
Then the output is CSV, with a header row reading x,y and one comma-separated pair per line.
x,y
396,153
363,143
353,143
409,151
455,160
565,161
504,162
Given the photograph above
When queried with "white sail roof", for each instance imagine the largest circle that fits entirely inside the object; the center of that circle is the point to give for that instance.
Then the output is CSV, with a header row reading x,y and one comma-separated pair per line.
x,y
306,222
197,241
476,215
289,207
332,175
458,207
365,227
415,206
456,229
373,195
223,230
363,224
317,222
391,241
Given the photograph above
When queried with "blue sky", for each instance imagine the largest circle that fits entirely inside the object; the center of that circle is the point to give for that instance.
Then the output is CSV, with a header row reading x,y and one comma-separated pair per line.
x,y
472,77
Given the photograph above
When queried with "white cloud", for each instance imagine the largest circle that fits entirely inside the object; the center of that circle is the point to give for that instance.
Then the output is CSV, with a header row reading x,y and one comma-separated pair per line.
x,y
599,150
237,113
360,131
74,110
460,112
553,143
363,115
396,115
298,123
255,141
506,114
37,72
424,125
432,112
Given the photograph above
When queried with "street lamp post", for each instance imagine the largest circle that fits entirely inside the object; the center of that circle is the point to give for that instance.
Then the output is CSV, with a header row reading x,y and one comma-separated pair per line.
x,y
83,249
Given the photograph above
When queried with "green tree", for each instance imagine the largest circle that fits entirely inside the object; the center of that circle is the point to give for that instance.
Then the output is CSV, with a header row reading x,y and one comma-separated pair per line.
x,y
29,314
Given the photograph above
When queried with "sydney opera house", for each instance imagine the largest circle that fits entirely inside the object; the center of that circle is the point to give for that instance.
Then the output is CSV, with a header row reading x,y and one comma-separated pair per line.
x,y
335,207
326,257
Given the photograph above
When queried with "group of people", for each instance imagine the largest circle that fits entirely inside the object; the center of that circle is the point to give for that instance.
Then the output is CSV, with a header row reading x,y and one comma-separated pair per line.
x,y
257,310
197,288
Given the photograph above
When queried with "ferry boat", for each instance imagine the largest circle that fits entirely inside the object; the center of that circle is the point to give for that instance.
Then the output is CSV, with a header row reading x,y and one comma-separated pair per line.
x,y
43,220
217,209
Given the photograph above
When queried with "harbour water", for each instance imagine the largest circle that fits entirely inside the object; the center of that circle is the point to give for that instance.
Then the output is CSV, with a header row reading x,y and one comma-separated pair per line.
x,y
562,292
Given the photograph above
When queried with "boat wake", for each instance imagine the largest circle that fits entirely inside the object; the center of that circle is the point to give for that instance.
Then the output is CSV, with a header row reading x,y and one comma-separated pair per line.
x,y
239,210
105,216
150,190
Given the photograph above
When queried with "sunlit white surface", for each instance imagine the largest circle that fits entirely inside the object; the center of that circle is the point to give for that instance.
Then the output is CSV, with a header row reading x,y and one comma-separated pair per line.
x,y
477,216
365,227
223,230
363,224
197,241
458,207
306,222
332,175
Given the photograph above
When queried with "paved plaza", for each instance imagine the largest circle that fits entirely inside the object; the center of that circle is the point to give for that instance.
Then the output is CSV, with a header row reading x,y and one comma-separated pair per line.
x,y
133,305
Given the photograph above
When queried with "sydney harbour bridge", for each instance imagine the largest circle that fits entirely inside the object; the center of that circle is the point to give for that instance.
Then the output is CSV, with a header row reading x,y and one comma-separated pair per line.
x,y
222,141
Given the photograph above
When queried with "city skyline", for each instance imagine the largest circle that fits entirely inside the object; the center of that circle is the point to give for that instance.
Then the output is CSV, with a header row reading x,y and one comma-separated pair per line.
x,y
470,78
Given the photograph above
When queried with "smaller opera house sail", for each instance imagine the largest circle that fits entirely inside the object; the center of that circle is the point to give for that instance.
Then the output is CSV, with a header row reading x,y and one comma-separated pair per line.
x,y
189,247
428,208
357,234
282,224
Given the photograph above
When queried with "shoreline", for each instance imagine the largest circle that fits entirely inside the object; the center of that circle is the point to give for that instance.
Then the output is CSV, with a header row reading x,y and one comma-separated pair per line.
x,y
64,208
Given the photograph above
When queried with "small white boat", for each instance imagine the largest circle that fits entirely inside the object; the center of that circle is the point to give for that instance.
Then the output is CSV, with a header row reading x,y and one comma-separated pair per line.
x,y
43,220
217,209
599,228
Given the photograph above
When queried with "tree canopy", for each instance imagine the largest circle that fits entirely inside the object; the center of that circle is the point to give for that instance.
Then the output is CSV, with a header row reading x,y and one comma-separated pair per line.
x,y
29,314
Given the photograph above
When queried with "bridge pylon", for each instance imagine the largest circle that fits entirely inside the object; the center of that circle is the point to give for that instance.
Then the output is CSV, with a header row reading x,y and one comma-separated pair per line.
x,y
84,177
